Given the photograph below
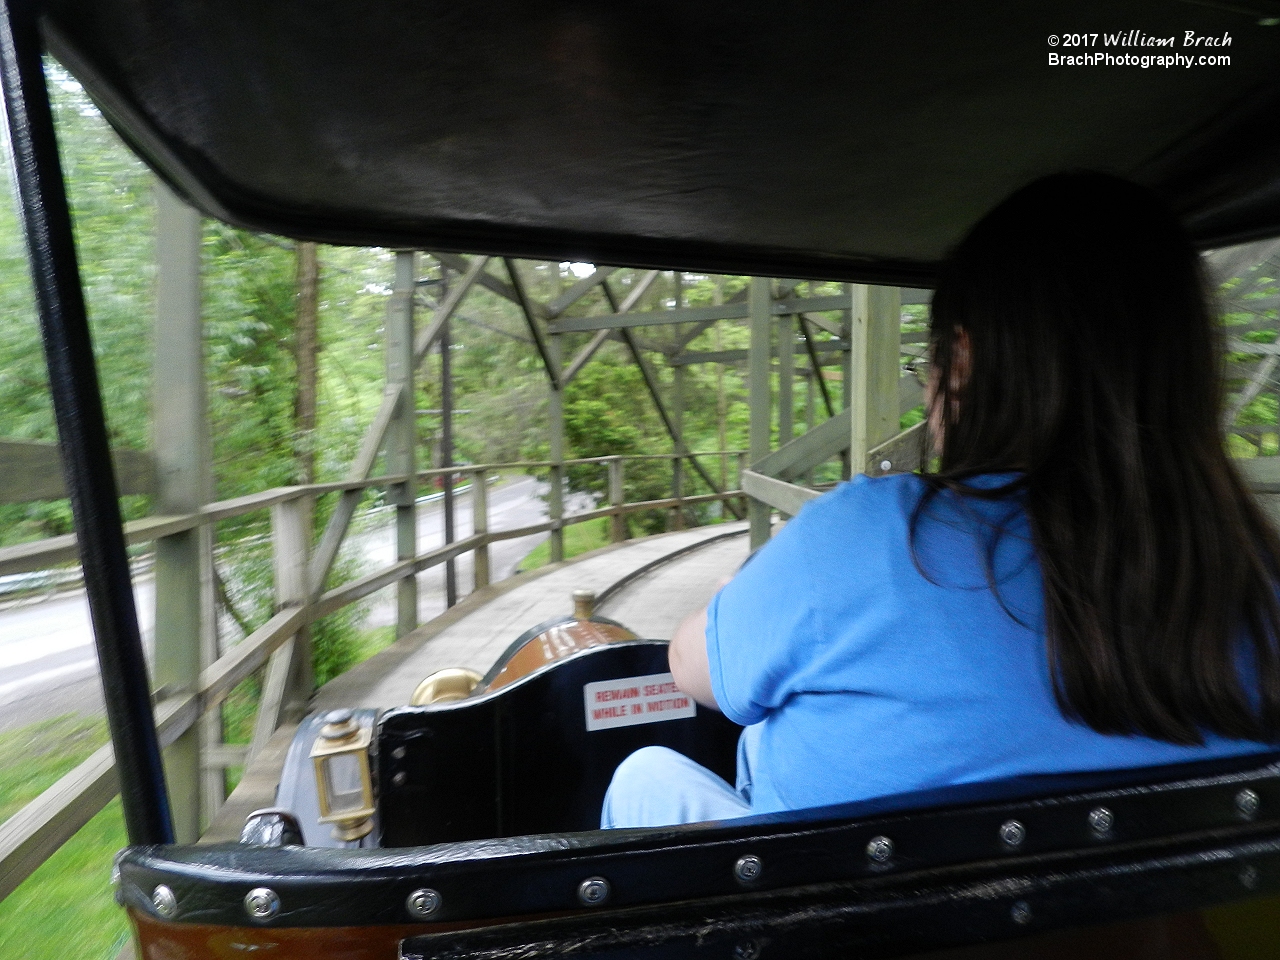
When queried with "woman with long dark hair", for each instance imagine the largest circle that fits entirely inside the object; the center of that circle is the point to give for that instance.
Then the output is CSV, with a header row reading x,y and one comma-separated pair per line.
x,y
1082,583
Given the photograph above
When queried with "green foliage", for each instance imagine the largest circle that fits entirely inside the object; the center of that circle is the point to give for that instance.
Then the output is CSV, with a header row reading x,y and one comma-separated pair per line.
x,y
607,412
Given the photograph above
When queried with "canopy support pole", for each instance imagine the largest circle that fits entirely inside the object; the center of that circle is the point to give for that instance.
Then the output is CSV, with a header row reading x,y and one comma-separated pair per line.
x,y
82,432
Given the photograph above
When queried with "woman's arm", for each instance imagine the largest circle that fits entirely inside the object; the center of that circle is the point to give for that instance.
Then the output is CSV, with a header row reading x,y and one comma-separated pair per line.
x,y
688,657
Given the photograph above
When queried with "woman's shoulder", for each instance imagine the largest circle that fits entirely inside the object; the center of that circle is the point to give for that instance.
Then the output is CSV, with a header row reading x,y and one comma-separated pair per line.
x,y
866,499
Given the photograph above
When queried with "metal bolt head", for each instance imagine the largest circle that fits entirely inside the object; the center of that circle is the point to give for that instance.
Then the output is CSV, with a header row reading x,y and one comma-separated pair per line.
x,y
748,869
886,466
261,903
593,891
1248,802
398,753
880,850
399,778
339,717
1249,877
1021,913
165,902
422,903
1101,820
1012,833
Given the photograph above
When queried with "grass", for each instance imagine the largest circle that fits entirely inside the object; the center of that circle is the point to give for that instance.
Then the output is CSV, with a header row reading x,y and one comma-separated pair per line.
x,y
32,758
579,538
66,908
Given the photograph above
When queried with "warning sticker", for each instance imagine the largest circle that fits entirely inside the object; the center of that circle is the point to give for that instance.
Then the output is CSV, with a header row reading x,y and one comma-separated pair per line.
x,y
632,700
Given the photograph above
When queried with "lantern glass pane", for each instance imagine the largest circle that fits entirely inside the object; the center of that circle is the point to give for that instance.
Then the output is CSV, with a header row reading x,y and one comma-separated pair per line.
x,y
343,782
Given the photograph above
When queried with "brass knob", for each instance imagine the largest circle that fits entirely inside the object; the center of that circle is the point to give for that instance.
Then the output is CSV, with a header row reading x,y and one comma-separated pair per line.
x,y
584,604
452,683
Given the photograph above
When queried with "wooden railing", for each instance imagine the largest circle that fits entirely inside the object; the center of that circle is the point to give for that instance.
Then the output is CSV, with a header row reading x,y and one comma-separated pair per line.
x,y
35,832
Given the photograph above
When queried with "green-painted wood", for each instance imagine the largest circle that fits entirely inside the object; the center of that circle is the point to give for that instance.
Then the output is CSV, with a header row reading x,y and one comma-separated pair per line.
x,y
184,615
760,316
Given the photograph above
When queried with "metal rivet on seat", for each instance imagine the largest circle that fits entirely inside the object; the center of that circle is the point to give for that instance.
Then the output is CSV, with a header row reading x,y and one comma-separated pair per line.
x,y
593,891
1021,913
422,903
165,902
261,903
1101,820
1249,877
880,850
398,753
400,778
1248,803
748,869
1012,833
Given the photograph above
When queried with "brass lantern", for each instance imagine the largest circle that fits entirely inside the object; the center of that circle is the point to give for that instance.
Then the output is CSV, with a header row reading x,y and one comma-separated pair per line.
x,y
344,785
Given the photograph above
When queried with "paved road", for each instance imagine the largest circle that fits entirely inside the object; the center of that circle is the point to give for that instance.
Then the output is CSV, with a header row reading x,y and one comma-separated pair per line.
x,y
48,665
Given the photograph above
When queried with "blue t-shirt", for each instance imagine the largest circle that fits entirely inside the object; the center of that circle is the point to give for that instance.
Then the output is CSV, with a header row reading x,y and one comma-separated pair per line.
x,y
868,679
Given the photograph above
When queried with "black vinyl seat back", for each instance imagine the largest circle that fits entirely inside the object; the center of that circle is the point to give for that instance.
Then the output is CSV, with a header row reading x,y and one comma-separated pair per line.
x,y
524,760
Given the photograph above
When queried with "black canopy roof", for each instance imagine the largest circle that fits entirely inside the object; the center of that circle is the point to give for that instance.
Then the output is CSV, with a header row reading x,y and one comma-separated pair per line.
x,y
846,139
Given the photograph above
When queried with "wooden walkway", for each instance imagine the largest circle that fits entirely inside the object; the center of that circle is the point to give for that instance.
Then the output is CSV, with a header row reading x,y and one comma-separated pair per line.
x,y
648,585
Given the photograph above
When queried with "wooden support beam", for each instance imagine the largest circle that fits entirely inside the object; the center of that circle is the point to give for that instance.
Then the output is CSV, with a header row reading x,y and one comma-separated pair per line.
x,y
728,311
875,331
758,401
461,264
579,290
402,433
651,383
786,497
31,470
289,678
786,379
480,526
811,349
555,423
903,453
331,540
185,640
551,365
451,302
829,439
739,356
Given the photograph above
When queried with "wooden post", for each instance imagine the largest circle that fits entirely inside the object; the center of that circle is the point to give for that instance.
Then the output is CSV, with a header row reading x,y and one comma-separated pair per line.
x,y
677,417
677,464
617,522
846,370
185,638
401,438
555,417
446,455
480,525
875,339
786,379
759,313
810,409
289,678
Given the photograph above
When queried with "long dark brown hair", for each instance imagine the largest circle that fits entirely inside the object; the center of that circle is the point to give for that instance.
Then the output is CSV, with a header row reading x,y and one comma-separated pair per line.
x,y
1094,371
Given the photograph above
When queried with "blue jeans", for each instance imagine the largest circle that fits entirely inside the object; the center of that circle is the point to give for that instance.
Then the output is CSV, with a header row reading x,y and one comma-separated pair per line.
x,y
658,787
